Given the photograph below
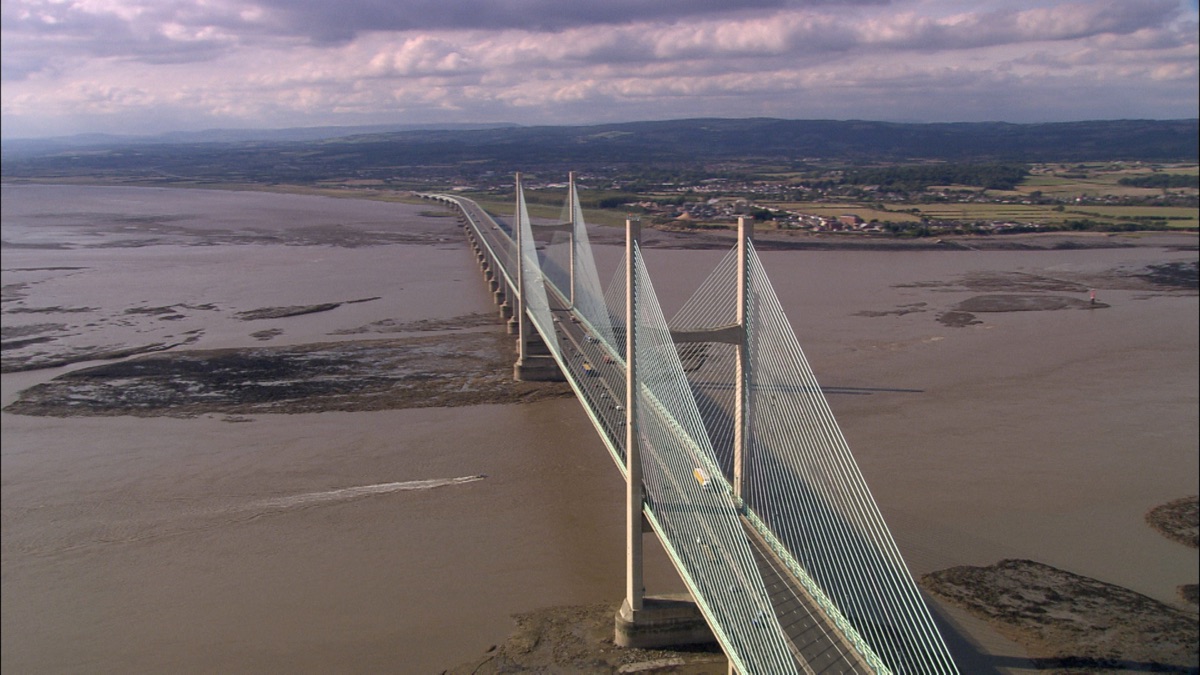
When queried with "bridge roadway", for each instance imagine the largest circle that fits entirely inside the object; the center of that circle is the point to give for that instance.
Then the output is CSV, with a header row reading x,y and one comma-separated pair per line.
x,y
817,644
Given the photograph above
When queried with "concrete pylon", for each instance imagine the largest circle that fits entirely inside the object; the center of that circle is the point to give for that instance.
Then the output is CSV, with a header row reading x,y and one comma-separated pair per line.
x,y
573,240
633,454
534,363
741,382
645,622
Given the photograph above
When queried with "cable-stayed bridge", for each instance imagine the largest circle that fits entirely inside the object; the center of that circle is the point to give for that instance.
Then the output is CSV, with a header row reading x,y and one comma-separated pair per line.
x,y
729,450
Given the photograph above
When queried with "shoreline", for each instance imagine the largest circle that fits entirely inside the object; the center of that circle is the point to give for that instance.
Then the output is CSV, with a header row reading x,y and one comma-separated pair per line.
x,y
715,238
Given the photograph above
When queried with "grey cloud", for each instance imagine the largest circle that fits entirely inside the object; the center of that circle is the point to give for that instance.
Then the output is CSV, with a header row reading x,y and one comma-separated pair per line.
x,y
17,67
279,60
326,21
47,31
1062,22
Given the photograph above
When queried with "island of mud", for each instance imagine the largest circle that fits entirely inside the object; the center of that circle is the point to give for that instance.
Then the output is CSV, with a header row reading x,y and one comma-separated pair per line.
x,y
1178,520
1071,623
465,368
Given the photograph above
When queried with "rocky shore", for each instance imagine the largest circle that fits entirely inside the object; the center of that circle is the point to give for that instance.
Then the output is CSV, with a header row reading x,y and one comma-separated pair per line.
x,y
1071,623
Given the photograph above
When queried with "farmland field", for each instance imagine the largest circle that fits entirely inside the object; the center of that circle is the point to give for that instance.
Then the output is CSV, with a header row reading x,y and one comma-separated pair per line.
x,y
1169,216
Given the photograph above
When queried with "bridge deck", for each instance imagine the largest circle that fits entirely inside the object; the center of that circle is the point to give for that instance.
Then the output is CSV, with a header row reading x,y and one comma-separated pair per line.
x,y
818,645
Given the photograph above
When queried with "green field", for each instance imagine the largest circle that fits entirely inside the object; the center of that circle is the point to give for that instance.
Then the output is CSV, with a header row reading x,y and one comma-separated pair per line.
x,y
1093,180
1062,183
1014,212
1169,216
1173,217
864,211
1176,217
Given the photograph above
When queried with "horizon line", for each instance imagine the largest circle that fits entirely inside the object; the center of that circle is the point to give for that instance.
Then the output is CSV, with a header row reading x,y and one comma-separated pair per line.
x,y
479,126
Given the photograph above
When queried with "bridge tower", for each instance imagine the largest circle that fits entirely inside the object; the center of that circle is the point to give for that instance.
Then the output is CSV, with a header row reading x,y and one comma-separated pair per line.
x,y
645,622
634,589
521,316
738,335
741,335
571,196
534,361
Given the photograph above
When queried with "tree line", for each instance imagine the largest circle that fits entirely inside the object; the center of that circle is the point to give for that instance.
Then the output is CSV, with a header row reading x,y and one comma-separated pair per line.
x,y
915,178
1163,180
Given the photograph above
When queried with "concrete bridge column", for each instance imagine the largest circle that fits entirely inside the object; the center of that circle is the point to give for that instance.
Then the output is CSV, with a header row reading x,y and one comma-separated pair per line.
x,y
634,590
644,622
741,381
572,241
534,363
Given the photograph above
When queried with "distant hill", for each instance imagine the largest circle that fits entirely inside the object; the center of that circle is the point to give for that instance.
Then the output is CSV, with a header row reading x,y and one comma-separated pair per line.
x,y
58,143
759,138
382,153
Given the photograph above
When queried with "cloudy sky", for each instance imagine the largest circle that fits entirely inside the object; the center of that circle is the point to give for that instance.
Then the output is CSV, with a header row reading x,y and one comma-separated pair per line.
x,y
144,66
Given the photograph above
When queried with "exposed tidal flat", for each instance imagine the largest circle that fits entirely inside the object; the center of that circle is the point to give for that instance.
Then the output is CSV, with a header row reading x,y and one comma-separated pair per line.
x,y
249,432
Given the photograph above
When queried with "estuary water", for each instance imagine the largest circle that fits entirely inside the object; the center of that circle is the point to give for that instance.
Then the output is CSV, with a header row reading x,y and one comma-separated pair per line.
x,y
403,540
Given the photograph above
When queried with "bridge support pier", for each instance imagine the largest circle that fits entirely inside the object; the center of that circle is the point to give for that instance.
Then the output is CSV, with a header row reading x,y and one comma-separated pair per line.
x,y
663,621
535,364
537,369
534,348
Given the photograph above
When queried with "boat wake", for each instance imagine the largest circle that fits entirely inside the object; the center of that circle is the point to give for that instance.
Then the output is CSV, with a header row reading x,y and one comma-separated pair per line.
x,y
144,524
345,494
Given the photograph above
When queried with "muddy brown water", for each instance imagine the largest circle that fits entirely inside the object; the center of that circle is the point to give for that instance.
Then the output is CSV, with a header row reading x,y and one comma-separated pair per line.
x,y
342,541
